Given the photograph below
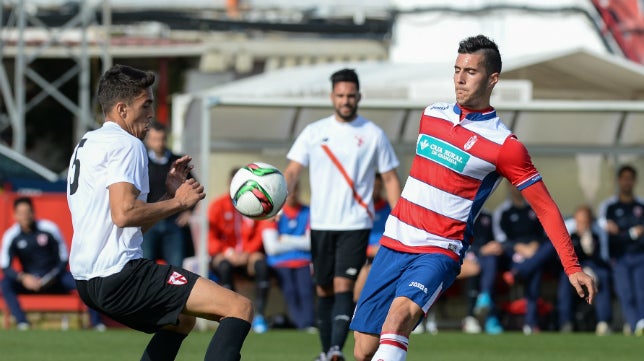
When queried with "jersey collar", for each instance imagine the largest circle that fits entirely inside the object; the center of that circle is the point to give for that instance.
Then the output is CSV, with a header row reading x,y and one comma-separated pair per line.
x,y
473,115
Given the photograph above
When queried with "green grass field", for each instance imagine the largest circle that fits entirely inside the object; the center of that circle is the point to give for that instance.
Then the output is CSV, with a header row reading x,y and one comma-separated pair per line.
x,y
123,345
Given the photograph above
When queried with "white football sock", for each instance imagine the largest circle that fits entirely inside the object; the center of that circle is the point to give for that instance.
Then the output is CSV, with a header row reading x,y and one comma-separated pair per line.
x,y
392,347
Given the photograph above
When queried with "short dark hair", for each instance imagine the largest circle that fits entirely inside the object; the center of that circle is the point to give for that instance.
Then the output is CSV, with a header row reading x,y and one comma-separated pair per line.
x,y
122,83
345,75
627,168
490,50
20,200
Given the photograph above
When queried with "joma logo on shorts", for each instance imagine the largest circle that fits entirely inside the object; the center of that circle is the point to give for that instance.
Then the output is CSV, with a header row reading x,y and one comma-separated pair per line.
x,y
419,286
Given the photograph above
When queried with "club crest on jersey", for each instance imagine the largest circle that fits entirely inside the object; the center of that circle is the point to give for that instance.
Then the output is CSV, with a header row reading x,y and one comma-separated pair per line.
x,y
42,239
470,142
177,278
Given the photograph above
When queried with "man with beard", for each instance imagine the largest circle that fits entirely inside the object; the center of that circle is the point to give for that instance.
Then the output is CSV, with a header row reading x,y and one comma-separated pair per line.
x,y
343,153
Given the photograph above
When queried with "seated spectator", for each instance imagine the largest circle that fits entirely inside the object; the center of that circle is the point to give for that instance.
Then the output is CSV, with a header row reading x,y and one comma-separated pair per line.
x,y
287,243
235,245
524,254
587,247
42,252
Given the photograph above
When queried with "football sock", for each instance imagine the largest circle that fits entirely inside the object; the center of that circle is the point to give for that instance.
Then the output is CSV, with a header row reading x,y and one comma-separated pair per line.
x,y
342,311
227,341
262,285
325,310
392,347
225,273
163,346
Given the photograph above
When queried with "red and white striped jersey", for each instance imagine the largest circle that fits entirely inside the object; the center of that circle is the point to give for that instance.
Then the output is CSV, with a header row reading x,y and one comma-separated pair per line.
x,y
458,164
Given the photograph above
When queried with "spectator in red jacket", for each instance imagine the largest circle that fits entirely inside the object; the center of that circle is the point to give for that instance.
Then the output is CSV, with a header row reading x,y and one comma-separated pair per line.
x,y
235,245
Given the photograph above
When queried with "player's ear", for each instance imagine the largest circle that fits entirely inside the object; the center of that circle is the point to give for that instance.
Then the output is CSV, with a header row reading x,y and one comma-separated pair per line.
x,y
493,79
121,109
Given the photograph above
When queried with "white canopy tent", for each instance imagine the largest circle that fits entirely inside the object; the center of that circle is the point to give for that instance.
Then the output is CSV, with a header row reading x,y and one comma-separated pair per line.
x,y
589,115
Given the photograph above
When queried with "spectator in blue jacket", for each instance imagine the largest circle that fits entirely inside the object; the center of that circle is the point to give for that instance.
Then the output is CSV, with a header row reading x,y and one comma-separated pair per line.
x,y
623,218
42,252
523,254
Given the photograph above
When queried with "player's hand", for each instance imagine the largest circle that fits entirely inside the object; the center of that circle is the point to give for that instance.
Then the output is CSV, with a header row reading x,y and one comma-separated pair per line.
x,y
612,227
178,174
584,285
189,193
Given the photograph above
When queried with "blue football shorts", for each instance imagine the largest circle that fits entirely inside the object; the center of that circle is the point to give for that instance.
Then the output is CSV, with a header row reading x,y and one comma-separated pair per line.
x,y
419,277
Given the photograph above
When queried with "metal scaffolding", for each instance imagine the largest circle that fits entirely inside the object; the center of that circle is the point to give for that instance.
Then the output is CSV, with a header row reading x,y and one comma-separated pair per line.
x,y
19,19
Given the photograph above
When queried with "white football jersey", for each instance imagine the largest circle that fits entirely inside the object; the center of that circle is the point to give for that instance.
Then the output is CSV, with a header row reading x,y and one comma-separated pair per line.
x,y
362,149
103,157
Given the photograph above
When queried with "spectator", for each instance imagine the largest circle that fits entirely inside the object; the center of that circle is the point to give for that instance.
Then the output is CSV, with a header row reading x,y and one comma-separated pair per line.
x,y
169,239
587,247
343,152
623,219
42,252
526,252
235,245
287,243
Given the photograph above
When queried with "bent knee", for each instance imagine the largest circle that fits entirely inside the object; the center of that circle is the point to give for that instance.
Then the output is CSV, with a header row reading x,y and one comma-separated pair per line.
x,y
242,308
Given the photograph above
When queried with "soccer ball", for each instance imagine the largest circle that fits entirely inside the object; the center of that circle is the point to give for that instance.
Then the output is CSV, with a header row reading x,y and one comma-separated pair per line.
x,y
258,190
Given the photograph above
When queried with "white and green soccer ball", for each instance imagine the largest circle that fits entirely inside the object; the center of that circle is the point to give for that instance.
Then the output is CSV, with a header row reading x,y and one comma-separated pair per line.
x,y
258,190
